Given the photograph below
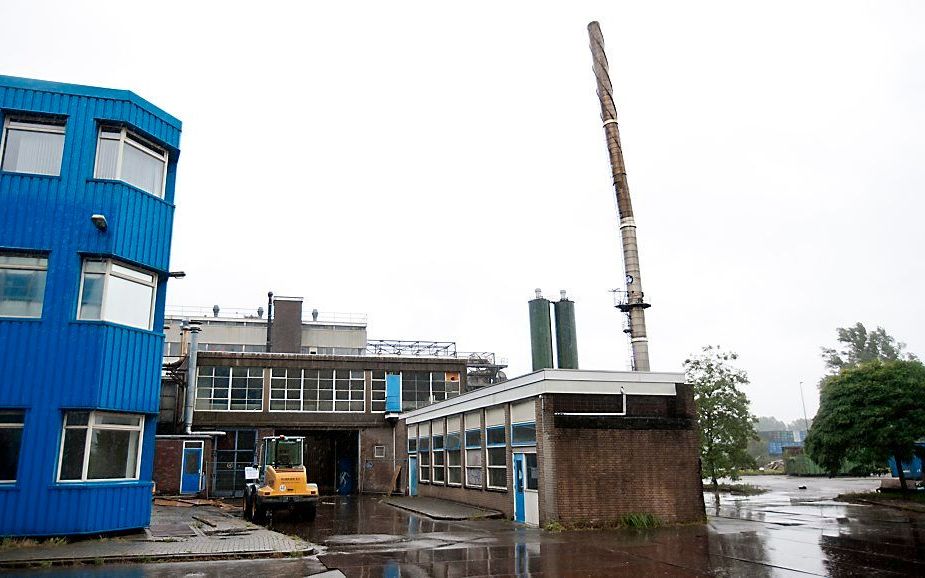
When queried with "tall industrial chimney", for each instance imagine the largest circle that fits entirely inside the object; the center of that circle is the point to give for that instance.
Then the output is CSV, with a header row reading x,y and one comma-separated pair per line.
x,y
566,336
540,332
634,305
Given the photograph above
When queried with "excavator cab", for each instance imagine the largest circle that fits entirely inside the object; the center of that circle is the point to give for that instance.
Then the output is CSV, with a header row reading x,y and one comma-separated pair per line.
x,y
280,481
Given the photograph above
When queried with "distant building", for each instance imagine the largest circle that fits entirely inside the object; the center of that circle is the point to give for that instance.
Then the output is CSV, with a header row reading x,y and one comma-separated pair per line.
x,y
87,193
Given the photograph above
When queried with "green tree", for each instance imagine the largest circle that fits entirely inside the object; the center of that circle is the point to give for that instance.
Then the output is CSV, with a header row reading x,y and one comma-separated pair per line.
x,y
726,426
869,413
860,346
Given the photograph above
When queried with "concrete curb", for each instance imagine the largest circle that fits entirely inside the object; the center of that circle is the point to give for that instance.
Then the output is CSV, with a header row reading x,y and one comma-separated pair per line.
x,y
146,559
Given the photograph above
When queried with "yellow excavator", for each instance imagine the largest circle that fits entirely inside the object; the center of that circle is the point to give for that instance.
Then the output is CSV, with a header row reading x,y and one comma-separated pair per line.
x,y
279,481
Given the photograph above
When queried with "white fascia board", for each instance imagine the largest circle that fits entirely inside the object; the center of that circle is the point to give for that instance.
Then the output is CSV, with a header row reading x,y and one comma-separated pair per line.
x,y
573,381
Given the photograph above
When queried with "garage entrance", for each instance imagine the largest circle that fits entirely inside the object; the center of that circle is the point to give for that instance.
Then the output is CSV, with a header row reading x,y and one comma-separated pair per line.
x,y
330,459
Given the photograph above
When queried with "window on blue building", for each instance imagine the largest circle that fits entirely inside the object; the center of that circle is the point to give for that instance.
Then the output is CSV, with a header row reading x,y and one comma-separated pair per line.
x,y
112,291
11,424
99,445
33,145
22,284
124,156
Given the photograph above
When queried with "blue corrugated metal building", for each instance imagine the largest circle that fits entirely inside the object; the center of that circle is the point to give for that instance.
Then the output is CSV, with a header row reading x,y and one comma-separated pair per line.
x,y
86,213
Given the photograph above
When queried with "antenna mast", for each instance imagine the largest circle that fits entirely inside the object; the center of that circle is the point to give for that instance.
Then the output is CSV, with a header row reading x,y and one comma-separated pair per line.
x,y
633,305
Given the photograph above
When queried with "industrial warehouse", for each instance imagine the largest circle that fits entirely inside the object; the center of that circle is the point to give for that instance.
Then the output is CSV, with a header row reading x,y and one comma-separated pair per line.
x,y
429,423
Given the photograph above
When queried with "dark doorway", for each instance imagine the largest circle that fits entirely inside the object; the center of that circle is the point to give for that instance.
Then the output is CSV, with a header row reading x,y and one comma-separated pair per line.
x,y
330,459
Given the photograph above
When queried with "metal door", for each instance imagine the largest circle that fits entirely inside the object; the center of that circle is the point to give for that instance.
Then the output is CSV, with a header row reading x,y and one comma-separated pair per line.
x,y
235,450
519,488
191,468
412,475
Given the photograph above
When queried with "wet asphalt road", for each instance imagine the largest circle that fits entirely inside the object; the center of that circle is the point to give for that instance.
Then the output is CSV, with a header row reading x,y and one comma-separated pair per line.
x,y
786,532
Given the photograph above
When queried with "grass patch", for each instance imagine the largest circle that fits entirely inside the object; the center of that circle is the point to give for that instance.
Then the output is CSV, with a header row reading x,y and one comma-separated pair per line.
x,y
8,543
554,526
642,520
898,498
736,489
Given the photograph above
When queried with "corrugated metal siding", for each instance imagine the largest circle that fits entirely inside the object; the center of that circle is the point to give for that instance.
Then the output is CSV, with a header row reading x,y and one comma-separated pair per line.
x,y
57,363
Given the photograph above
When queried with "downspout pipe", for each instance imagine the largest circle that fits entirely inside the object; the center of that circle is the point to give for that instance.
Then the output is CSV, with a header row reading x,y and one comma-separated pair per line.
x,y
269,321
191,368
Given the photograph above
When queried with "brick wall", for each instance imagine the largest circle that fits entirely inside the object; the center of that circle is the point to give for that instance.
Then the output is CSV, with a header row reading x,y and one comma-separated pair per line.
x,y
168,460
376,473
603,468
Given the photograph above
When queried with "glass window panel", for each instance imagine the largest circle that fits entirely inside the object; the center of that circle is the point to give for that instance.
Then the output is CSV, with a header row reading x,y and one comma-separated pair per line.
x,y
497,477
523,434
128,303
117,419
474,458
33,152
341,406
454,458
107,158
91,297
22,291
496,457
12,417
10,442
424,444
325,406
142,170
438,442
474,477
412,445
72,459
495,435
452,441
78,418
132,273
533,472
113,454
454,476
473,438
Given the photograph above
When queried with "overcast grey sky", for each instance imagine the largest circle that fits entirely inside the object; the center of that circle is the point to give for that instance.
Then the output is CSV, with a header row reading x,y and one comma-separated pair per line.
x,y
431,165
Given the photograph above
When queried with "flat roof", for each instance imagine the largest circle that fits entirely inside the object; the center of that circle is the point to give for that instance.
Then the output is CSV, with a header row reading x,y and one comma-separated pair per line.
x,y
545,381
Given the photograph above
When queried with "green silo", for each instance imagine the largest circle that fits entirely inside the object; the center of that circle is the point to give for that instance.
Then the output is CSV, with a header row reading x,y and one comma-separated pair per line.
x,y
540,333
566,339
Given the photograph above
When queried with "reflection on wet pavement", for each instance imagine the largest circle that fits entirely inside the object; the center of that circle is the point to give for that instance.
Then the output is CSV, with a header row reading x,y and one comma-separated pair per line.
x,y
786,532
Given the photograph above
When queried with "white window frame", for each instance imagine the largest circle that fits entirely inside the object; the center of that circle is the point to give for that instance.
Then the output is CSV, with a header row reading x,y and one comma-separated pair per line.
x,y
90,426
495,446
30,255
230,387
21,424
31,124
378,451
133,139
107,275
302,382
460,468
377,386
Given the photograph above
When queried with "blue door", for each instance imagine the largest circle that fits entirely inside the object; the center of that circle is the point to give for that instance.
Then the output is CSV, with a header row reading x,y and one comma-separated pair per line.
x,y
519,514
191,476
412,475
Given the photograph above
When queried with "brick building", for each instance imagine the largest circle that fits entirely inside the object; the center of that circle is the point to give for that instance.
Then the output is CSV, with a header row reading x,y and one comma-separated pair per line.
x,y
565,445
321,379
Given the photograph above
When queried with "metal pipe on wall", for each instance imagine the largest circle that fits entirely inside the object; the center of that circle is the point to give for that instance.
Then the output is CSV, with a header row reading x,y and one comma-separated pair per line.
x,y
191,377
635,305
